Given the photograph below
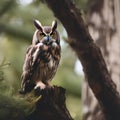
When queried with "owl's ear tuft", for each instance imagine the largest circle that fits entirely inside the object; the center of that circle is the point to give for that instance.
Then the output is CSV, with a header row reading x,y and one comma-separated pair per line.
x,y
54,25
38,25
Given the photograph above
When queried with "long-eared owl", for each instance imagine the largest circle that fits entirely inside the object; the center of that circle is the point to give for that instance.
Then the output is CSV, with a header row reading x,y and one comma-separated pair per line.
x,y
42,57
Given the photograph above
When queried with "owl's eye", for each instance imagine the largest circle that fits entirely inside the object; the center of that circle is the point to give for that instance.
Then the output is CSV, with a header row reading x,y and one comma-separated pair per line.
x,y
52,34
42,35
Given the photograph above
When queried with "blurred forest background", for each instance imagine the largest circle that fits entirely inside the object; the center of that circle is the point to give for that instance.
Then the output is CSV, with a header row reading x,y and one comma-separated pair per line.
x,y
16,30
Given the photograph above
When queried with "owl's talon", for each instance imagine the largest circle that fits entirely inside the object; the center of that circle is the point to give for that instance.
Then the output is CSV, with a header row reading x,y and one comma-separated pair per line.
x,y
40,85
39,88
37,91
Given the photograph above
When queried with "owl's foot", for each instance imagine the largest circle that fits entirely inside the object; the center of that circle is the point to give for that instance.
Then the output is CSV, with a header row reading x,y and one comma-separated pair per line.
x,y
39,88
40,85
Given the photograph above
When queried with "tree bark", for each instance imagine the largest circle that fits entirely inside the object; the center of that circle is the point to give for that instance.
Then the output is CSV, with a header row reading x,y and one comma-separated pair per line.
x,y
88,52
51,105
103,21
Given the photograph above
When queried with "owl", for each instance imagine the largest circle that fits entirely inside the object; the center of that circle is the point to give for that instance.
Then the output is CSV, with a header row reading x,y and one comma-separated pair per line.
x,y
42,58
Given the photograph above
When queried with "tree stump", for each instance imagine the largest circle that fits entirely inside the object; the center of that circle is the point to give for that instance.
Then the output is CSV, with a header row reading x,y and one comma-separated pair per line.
x,y
51,105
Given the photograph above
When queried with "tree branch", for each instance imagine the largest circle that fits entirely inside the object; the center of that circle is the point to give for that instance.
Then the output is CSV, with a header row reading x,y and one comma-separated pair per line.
x,y
90,56
15,31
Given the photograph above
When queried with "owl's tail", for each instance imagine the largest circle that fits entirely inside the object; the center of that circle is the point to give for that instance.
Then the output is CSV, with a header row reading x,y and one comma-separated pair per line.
x,y
26,85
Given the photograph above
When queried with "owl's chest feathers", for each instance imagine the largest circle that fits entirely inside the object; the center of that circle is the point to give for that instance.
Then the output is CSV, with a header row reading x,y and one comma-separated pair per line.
x,y
46,70
47,64
49,60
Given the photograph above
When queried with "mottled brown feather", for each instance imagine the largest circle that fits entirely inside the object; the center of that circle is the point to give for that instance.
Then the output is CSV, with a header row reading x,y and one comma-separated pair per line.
x,y
41,60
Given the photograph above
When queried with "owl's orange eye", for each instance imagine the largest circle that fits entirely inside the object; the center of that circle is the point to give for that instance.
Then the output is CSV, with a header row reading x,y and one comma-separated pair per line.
x,y
52,34
42,34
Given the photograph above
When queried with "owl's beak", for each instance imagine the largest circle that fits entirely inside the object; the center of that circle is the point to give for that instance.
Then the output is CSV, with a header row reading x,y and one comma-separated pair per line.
x,y
47,39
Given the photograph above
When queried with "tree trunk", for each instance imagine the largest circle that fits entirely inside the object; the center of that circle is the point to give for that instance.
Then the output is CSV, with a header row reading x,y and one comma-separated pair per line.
x,y
103,21
94,66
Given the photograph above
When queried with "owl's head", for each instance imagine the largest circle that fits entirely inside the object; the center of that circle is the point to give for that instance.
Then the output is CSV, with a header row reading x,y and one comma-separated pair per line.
x,y
45,34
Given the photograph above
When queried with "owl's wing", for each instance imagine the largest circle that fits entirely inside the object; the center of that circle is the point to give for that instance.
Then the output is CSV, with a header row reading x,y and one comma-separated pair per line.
x,y
30,63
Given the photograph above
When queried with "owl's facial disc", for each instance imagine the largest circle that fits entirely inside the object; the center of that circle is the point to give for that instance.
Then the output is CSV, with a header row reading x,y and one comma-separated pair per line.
x,y
46,38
